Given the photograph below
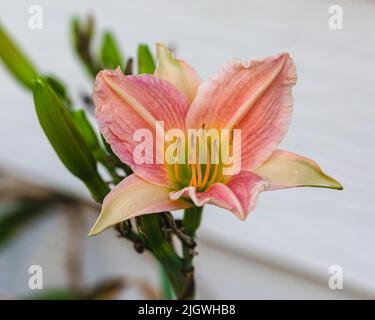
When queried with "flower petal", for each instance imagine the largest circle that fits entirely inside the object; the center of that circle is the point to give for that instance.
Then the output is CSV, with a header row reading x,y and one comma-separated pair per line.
x,y
125,104
254,97
285,169
177,72
238,195
132,197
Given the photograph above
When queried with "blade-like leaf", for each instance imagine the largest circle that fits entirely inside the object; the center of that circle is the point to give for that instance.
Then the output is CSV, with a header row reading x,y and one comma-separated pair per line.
x,y
110,55
90,137
60,90
16,62
86,130
66,139
146,62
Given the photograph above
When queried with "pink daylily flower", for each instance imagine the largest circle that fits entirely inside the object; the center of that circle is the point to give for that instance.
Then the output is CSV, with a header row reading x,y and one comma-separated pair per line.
x,y
255,97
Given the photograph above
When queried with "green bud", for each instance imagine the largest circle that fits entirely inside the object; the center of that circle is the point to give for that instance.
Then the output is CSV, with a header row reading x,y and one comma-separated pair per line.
x,y
59,88
110,55
146,62
82,35
66,139
85,129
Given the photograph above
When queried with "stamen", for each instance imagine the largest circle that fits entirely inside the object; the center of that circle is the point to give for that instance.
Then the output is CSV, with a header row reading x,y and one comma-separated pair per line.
x,y
231,135
208,167
176,173
193,181
216,169
199,170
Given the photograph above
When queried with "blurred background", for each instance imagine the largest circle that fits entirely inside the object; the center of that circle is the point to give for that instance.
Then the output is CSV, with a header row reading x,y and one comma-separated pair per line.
x,y
286,246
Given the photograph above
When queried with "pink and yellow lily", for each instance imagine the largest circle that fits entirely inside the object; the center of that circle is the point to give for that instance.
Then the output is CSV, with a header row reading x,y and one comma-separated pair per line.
x,y
255,97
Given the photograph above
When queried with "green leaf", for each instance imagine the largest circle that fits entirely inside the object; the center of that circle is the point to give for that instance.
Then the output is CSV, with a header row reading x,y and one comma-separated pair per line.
x,y
14,218
86,130
146,62
90,137
61,131
66,139
110,55
60,90
16,62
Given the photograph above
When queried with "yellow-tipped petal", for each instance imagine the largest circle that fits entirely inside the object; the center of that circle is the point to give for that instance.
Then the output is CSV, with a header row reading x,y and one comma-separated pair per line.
x,y
284,169
177,72
132,197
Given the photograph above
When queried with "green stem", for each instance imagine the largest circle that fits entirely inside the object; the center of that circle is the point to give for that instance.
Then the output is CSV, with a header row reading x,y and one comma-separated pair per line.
x,y
165,254
166,286
192,220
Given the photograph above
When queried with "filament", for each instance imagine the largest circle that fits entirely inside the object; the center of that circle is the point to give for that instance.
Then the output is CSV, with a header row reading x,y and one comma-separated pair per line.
x,y
199,171
216,169
193,181
208,167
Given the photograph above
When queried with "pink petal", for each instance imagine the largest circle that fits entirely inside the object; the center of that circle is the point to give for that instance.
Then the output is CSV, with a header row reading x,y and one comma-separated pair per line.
x,y
254,97
127,103
132,197
238,195
285,169
177,72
